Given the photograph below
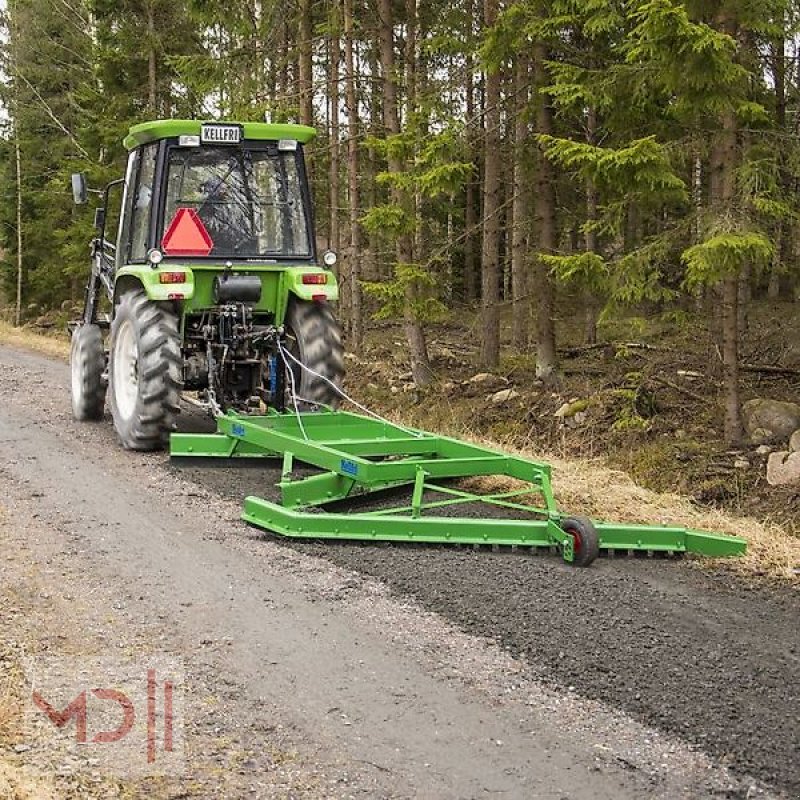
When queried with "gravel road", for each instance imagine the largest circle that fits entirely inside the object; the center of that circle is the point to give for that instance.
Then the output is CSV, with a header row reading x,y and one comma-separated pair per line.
x,y
397,671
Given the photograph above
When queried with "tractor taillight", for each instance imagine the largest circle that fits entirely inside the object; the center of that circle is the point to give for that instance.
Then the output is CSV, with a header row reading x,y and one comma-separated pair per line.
x,y
172,277
315,279
175,296
317,297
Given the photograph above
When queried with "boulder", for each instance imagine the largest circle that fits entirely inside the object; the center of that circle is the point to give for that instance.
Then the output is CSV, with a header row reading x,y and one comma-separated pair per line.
x,y
486,378
770,420
783,469
503,396
484,382
794,442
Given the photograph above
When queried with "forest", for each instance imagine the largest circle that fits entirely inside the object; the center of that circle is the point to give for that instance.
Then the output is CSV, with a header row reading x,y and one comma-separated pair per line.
x,y
522,161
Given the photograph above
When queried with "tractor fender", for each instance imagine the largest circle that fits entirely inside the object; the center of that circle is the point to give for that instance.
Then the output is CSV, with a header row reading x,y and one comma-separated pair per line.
x,y
293,283
143,276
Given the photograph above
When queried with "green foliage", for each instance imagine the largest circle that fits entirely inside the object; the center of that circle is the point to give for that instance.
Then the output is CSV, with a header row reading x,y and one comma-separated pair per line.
x,y
642,167
725,254
433,170
693,61
394,295
388,219
635,407
588,270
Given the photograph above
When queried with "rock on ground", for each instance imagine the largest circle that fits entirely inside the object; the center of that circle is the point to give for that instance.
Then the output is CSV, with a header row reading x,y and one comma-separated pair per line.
x,y
770,420
783,469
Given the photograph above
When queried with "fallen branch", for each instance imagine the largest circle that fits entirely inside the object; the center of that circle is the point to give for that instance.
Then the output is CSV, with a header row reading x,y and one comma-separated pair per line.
x,y
768,369
682,389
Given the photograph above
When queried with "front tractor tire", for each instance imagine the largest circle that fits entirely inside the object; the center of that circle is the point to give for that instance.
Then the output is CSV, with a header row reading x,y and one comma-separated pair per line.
x,y
145,371
87,363
315,339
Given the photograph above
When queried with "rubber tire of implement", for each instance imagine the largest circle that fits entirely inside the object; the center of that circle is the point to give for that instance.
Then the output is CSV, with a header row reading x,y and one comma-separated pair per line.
x,y
319,346
159,368
87,365
585,539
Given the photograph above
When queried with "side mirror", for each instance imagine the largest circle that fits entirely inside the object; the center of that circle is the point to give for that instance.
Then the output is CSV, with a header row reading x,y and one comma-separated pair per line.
x,y
80,192
99,218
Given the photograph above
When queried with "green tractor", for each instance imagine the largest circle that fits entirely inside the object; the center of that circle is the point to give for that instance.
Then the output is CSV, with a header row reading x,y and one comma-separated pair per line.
x,y
213,285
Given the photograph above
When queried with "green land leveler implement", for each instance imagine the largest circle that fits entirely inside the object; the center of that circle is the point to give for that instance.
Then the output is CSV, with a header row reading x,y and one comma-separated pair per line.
x,y
213,290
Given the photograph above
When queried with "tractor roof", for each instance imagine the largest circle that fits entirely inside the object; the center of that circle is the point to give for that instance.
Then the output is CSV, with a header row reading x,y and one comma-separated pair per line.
x,y
167,128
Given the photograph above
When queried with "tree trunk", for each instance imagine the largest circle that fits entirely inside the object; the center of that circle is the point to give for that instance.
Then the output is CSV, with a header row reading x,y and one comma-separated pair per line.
x,y
374,267
730,297
354,254
334,234
590,237
418,350
519,236
470,211
18,159
730,359
697,190
151,60
774,285
723,180
333,99
283,72
544,209
490,252
779,77
305,77
305,73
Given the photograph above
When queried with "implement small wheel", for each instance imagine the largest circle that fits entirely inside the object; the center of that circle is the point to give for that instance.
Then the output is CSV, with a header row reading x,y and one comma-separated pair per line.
x,y
585,541
315,339
145,371
87,363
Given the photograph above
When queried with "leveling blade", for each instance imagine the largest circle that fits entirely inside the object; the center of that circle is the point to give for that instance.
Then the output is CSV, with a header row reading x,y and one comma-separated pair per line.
x,y
357,455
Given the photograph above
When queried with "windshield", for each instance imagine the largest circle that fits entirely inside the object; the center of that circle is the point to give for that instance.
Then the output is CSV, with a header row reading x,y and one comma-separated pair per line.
x,y
249,200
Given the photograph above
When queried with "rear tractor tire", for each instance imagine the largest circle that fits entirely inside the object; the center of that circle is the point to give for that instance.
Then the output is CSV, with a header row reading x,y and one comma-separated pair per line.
x,y
87,363
315,339
145,372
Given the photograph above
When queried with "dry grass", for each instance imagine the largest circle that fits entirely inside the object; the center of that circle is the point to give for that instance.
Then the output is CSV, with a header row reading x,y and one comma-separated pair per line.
x,y
592,489
30,339
10,714
606,493
16,784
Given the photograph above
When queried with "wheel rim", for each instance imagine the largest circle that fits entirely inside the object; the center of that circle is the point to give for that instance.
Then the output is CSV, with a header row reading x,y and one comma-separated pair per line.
x,y
576,540
126,370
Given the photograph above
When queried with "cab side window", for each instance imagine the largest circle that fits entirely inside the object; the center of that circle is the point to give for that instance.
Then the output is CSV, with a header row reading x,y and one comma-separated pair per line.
x,y
141,202
124,234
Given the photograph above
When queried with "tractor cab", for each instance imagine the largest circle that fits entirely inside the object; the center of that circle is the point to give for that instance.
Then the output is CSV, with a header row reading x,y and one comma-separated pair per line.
x,y
219,192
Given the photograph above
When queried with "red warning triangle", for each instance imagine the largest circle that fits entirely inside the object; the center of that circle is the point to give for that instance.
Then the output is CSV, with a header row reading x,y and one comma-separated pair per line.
x,y
186,235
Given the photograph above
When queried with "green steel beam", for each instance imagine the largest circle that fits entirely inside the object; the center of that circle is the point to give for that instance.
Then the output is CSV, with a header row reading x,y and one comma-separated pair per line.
x,y
501,532
441,530
215,445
